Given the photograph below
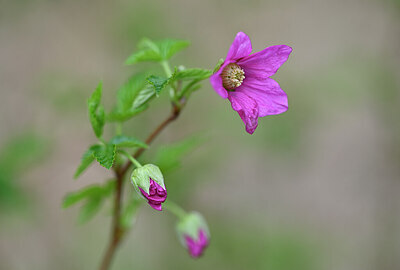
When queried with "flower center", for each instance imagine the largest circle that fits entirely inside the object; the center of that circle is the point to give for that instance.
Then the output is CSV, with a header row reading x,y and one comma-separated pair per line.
x,y
232,76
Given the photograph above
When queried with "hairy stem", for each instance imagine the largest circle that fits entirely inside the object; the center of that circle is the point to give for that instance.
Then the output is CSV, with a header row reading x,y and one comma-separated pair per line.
x,y
117,232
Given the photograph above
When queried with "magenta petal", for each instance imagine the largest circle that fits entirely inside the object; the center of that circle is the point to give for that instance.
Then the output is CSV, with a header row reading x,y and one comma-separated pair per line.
x,y
265,63
196,247
240,47
247,108
156,196
216,81
271,99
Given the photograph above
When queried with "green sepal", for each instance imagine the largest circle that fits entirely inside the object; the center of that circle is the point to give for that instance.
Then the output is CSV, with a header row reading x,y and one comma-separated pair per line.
x,y
96,111
141,177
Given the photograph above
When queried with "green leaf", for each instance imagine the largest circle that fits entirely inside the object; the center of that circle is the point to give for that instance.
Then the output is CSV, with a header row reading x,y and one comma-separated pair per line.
x,y
193,74
93,196
128,92
86,160
159,83
169,157
104,154
126,141
129,213
144,96
96,111
156,51
189,89
169,47
132,98
92,191
120,116
18,154
74,197
22,151
89,209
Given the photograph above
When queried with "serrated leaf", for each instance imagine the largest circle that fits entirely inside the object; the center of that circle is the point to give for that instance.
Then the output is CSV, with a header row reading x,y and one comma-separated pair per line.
x,y
128,92
193,74
169,47
132,98
128,214
159,83
120,116
74,197
126,141
98,191
89,209
96,111
105,154
169,157
156,50
144,96
86,160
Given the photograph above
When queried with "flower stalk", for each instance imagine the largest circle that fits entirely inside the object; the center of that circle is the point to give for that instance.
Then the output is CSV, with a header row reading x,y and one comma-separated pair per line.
x,y
175,209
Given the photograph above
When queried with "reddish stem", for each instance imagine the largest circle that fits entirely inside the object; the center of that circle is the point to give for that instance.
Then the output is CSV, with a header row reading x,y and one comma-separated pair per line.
x,y
117,232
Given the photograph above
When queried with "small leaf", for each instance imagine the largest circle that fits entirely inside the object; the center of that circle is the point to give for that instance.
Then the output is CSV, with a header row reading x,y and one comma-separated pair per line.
x,y
193,74
126,141
118,116
128,214
132,98
128,92
169,47
104,154
96,111
98,191
89,210
86,160
159,83
144,96
169,157
74,197
156,51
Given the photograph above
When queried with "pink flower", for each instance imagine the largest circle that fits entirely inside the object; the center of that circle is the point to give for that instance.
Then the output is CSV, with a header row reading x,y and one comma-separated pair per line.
x,y
156,196
243,78
196,246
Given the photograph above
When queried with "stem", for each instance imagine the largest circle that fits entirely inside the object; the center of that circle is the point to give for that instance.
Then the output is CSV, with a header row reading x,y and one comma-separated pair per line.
x,y
132,159
166,68
175,209
117,232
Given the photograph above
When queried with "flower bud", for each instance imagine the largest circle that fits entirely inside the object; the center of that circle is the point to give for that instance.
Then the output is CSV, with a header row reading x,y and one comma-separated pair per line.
x,y
193,233
149,182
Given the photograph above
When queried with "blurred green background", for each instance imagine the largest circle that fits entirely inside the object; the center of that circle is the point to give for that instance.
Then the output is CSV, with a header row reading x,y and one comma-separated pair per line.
x,y
314,188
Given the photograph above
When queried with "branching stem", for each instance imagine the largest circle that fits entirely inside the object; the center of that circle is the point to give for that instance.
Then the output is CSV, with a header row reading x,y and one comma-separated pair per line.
x,y
117,232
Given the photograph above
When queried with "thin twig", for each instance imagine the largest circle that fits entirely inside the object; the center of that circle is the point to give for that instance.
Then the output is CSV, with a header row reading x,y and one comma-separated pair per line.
x,y
117,231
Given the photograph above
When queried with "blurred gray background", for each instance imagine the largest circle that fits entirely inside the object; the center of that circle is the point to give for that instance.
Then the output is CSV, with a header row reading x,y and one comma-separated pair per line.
x,y
314,188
